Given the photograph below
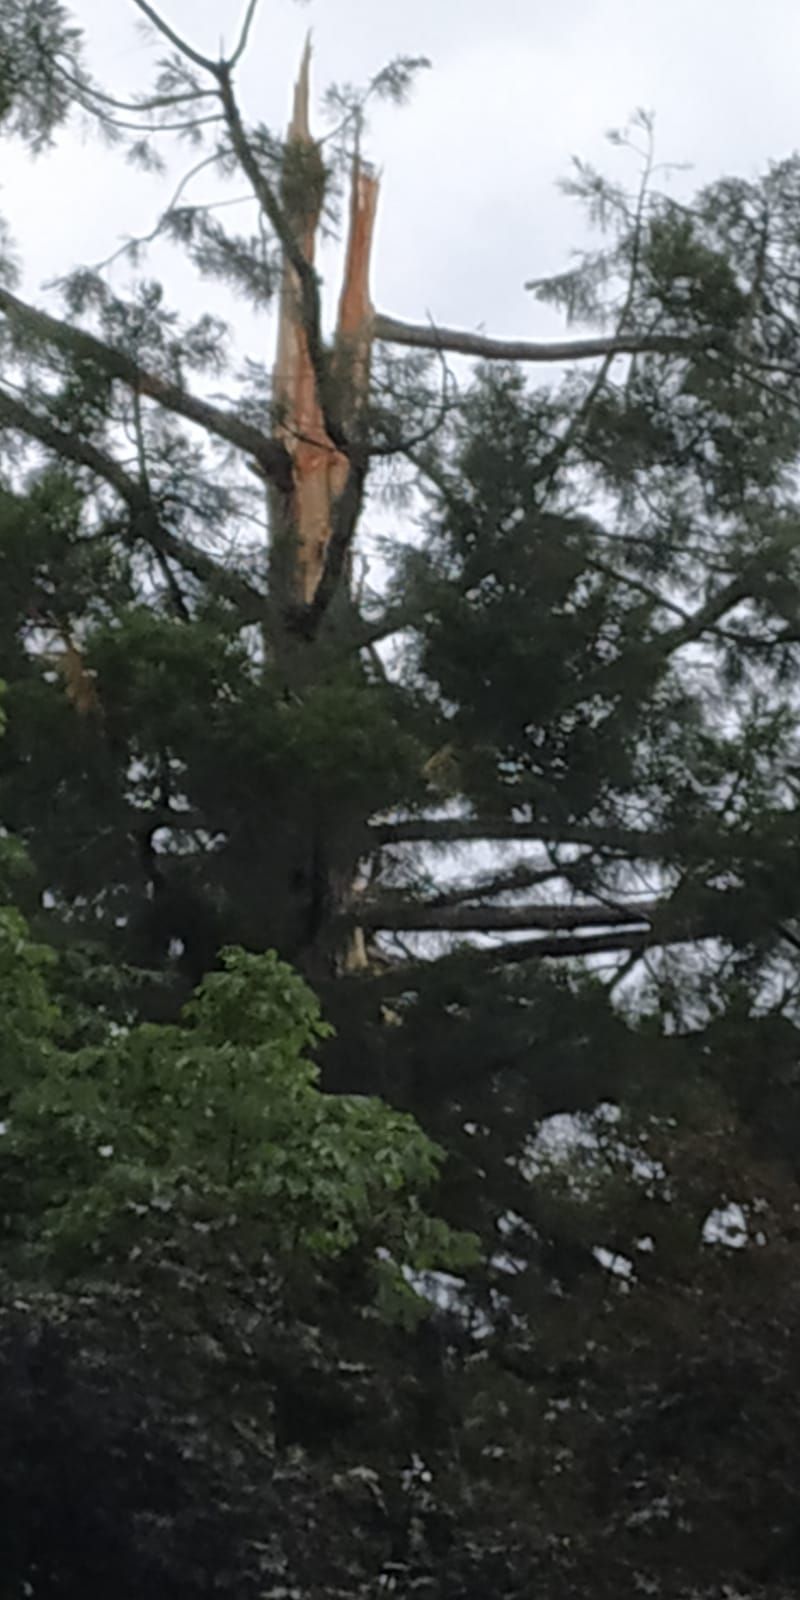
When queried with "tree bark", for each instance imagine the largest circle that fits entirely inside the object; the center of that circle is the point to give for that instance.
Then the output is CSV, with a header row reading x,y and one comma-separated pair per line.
x,y
457,341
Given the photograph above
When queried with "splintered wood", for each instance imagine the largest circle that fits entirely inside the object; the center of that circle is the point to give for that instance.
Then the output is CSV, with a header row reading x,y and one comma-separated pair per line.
x,y
319,469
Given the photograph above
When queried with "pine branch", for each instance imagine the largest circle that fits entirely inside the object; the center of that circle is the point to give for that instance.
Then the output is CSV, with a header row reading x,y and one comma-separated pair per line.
x,y
426,336
656,650
45,329
145,522
706,617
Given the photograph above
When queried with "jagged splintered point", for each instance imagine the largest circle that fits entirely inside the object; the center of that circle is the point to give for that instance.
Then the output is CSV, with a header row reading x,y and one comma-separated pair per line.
x,y
319,468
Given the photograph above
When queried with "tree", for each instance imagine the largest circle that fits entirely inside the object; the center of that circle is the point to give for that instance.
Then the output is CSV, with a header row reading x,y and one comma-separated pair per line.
x,y
704,339
176,1201
580,676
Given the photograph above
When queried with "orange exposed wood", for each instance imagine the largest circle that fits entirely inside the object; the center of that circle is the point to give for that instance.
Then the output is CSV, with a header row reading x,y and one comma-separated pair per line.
x,y
80,685
319,469
356,311
81,688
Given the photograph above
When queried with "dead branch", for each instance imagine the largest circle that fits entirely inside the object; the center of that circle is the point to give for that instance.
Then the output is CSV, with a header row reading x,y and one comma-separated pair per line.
x,y
427,336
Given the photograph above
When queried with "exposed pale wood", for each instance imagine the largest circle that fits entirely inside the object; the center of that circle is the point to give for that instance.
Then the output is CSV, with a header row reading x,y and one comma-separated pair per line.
x,y
356,311
320,470
79,681
301,428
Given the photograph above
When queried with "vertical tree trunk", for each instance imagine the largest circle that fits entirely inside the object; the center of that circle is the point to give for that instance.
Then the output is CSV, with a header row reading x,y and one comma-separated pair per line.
x,y
301,518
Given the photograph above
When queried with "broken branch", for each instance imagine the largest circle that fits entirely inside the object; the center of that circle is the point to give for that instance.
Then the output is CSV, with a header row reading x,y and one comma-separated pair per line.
x,y
427,336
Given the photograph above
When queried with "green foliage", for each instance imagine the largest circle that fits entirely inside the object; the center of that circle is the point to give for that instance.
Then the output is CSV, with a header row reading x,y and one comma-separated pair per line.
x,y
39,61
27,1016
213,1125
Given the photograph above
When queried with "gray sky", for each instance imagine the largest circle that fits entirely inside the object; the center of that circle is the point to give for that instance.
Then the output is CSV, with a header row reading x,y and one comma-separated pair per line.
x,y
469,207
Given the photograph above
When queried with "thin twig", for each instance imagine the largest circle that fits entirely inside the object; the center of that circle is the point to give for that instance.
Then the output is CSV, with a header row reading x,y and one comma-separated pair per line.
x,y
244,34
147,238
155,103
176,40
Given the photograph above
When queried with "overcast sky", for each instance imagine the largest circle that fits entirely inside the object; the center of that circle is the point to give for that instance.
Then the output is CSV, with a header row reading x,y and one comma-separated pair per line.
x,y
469,207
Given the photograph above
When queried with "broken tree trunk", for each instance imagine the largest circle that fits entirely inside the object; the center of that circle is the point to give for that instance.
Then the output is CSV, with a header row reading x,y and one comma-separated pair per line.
x,y
306,513
319,469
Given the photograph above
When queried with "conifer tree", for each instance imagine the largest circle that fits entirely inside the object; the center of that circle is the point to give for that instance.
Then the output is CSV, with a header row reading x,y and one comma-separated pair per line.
x,y
523,814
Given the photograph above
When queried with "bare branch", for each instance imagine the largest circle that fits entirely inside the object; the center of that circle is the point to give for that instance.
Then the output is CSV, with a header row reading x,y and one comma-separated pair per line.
x,y
486,919
426,336
146,104
597,564
244,34
46,329
657,649
345,519
165,127
394,621
561,448
175,38
572,944
138,240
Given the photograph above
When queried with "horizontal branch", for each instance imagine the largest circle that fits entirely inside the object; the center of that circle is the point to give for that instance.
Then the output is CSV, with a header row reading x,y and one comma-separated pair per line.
x,y
405,976
522,874
405,916
52,331
643,844
573,944
427,336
